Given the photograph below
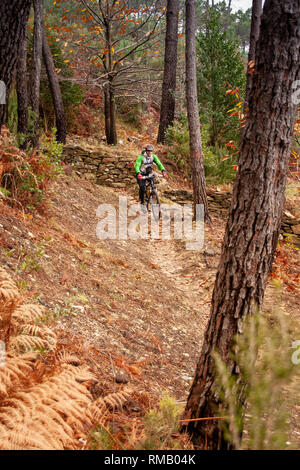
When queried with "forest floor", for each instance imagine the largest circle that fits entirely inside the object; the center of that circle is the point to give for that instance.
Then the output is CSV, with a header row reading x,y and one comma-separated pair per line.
x,y
134,310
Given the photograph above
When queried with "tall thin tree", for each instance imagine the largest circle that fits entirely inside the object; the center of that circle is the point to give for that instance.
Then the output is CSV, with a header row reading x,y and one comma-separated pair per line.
x,y
55,91
199,190
227,19
107,112
36,67
167,108
13,19
124,31
254,35
21,86
256,209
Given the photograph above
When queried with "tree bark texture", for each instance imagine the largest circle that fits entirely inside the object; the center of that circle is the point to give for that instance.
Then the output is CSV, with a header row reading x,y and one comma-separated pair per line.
x,y
257,204
21,85
36,67
167,108
106,112
55,91
111,137
199,190
254,35
112,114
13,19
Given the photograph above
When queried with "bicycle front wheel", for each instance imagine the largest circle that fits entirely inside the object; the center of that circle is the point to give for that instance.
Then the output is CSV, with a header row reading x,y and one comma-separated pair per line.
x,y
155,205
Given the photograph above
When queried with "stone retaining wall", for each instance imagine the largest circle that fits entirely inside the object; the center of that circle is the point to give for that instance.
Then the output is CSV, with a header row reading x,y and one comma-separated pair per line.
x,y
100,167
220,202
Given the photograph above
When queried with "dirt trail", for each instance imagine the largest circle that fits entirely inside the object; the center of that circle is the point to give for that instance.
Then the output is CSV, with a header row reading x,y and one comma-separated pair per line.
x,y
181,267
178,269
144,301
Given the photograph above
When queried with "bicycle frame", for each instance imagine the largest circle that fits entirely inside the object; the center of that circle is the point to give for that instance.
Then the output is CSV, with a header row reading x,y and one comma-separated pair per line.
x,y
151,192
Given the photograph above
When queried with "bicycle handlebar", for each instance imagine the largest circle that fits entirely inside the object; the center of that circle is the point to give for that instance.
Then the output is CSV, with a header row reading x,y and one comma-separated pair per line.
x,y
152,175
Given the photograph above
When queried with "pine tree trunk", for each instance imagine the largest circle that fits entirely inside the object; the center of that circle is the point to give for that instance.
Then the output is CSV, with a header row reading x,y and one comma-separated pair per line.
x,y
167,108
257,203
107,112
55,91
111,131
112,115
36,67
254,35
21,85
13,19
199,190
227,20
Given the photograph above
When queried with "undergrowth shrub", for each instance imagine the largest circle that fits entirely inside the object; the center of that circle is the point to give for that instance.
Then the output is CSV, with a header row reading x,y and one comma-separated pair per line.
x,y
130,113
25,178
102,439
160,427
12,124
177,137
267,382
218,165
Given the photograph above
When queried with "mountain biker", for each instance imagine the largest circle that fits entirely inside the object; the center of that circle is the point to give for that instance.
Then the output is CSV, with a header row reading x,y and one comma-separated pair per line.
x,y
143,167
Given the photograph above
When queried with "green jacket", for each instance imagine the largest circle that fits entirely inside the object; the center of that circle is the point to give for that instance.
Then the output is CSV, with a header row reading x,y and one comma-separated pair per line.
x,y
142,160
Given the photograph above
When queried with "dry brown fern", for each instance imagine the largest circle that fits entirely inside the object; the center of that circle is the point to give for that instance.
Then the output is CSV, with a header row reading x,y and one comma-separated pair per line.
x,y
28,313
26,334
14,371
9,296
66,358
56,407
54,413
100,408
45,402
18,322
8,290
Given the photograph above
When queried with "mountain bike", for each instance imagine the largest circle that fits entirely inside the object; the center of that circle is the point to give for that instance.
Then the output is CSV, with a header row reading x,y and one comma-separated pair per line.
x,y
151,195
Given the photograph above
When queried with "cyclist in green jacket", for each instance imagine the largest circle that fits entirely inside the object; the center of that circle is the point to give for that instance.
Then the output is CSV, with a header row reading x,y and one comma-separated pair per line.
x,y
143,166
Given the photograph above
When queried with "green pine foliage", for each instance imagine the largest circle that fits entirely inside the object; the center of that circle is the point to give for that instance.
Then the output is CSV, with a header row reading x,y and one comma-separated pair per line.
x,y
240,25
218,169
161,426
266,382
220,68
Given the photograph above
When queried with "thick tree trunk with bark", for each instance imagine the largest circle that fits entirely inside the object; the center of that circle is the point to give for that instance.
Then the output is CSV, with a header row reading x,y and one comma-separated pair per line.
x,y
13,19
167,108
21,85
254,35
256,209
55,91
36,67
199,190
